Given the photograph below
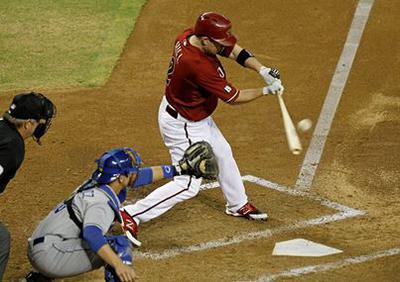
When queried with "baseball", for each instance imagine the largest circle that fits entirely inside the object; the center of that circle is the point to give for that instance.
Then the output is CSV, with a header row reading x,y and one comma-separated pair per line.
x,y
304,125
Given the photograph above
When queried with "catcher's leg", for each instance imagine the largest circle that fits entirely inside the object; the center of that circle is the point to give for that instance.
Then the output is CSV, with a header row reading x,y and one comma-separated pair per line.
x,y
57,258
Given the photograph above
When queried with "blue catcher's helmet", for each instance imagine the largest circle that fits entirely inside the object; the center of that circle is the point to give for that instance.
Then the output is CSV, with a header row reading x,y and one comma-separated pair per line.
x,y
114,163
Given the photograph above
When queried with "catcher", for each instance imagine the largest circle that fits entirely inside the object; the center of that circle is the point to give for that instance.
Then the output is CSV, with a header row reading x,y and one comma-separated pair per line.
x,y
73,238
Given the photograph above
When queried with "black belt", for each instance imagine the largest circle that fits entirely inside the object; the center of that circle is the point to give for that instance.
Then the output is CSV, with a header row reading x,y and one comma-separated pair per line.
x,y
171,112
38,241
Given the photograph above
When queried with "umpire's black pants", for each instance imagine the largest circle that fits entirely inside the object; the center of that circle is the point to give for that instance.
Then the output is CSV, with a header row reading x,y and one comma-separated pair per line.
x,y
5,241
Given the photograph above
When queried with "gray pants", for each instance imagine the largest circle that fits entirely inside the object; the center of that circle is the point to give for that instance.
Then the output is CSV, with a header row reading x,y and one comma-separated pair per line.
x,y
58,258
5,242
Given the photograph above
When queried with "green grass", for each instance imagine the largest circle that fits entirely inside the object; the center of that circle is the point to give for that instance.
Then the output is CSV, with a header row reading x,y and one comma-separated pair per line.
x,y
62,43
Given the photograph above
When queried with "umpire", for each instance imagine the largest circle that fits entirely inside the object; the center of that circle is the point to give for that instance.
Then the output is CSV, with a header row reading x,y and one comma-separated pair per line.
x,y
30,114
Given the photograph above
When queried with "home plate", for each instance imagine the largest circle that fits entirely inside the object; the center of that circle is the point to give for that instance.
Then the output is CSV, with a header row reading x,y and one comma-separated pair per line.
x,y
303,248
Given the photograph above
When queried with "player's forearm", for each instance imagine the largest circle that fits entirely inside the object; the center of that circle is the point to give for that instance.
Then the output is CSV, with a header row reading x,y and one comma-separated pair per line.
x,y
148,175
125,272
248,95
109,256
157,173
253,63
162,172
248,62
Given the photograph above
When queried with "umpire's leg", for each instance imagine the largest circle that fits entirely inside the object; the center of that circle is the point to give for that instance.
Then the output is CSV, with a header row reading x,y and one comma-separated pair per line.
x,y
5,240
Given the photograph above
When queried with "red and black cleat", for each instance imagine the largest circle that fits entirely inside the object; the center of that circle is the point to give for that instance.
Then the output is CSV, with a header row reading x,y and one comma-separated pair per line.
x,y
130,227
248,211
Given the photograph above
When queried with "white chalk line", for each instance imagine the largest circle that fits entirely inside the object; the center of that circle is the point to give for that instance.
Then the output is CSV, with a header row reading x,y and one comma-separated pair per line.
x,y
311,160
344,213
295,272
300,193
315,149
343,67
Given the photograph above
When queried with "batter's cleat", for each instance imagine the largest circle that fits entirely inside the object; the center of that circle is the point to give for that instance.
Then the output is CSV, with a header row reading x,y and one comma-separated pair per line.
x,y
36,277
130,228
248,211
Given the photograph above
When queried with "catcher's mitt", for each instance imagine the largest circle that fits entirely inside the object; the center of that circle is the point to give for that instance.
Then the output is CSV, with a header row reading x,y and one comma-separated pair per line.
x,y
199,161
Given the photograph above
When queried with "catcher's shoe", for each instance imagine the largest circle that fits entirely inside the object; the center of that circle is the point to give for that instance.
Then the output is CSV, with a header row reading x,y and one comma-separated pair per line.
x,y
110,275
248,211
36,277
130,227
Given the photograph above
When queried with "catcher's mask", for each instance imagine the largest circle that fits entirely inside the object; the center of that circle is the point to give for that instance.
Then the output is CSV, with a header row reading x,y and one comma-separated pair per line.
x,y
112,164
33,106
216,27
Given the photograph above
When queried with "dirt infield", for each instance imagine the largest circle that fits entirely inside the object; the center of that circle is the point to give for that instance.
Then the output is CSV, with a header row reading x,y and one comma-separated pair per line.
x,y
359,168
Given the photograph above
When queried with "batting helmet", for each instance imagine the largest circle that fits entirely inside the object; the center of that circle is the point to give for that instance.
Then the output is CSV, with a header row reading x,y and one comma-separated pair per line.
x,y
114,163
215,26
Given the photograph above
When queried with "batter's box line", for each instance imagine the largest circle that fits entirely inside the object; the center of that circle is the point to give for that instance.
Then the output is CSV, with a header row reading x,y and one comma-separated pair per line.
x,y
344,212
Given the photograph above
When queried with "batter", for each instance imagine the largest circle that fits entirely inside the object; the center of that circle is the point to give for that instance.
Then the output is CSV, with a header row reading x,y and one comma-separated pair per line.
x,y
196,81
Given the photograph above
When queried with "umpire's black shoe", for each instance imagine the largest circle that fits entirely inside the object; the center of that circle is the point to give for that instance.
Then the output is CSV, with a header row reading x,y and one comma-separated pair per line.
x,y
36,277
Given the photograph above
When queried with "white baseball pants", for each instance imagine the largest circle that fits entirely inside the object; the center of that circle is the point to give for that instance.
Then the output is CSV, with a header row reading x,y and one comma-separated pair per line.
x,y
178,134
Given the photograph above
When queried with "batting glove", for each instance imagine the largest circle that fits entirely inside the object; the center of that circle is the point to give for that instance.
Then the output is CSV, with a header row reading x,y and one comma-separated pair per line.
x,y
274,88
269,75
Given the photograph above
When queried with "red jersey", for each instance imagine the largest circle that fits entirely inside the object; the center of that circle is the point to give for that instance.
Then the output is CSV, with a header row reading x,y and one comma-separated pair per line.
x,y
195,80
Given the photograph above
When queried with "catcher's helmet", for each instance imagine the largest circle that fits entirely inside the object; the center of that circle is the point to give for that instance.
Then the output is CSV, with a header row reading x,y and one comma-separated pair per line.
x,y
114,163
215,26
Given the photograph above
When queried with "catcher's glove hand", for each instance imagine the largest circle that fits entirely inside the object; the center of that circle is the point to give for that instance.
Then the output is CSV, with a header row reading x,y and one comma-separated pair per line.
x,y
199,161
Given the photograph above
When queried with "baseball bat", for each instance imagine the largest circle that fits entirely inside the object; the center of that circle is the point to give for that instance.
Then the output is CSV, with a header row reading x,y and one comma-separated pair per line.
x,y
290,130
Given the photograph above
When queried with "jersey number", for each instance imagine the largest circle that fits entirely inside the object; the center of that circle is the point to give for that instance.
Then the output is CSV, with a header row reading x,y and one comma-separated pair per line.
x,y
171,69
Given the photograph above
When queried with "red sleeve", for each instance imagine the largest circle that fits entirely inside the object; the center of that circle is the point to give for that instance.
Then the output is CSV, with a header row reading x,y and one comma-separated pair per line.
x,y
212,80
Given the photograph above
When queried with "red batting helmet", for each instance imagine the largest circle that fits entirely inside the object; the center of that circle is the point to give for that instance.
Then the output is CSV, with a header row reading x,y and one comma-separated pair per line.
x,y
215,26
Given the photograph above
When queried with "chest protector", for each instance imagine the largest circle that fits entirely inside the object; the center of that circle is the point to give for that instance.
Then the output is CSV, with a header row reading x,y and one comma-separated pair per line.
x,y
113,201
